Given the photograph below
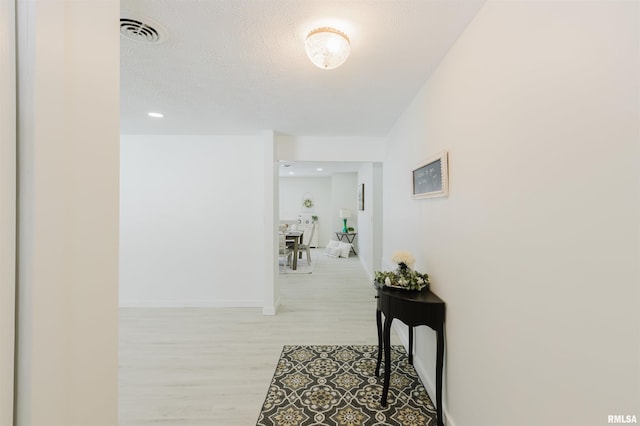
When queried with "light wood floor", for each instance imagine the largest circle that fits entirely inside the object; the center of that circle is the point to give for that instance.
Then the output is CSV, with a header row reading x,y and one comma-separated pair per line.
x,y
208,366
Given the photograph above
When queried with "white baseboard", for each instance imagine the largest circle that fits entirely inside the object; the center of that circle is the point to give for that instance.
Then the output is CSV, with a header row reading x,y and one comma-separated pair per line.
x,y
191,304
271,310
447,419
428,382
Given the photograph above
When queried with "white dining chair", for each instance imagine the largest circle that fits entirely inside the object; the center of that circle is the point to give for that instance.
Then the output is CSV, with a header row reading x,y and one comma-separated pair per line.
x,y
306,245
285,251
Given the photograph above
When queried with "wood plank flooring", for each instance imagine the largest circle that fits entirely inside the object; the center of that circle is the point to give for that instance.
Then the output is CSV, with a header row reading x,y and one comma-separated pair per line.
x,y
213,366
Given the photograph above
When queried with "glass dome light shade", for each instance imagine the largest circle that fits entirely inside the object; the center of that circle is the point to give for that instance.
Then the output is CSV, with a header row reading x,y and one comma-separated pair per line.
x,y
327,48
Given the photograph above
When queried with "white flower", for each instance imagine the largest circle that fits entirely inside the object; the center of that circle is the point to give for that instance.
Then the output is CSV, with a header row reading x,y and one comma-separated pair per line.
x,y
387,281
403,256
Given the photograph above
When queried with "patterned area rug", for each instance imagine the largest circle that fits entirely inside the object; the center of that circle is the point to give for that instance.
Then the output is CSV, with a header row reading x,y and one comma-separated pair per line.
x,y
336,385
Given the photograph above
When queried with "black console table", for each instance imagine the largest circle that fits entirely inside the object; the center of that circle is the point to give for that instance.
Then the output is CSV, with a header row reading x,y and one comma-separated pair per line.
x,y
412,308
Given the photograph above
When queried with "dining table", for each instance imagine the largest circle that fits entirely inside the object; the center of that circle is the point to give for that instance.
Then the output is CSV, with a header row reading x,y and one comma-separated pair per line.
x,y
294,239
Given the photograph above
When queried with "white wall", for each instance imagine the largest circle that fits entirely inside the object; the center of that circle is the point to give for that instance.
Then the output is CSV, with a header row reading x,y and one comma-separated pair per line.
x,y
370,219
292,191
192,220
270,221
67,359
535,251
316,148
7,206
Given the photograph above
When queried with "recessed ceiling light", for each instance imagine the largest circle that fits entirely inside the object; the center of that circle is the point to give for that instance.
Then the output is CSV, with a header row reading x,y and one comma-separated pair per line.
x,y
319,169
291,173
155,114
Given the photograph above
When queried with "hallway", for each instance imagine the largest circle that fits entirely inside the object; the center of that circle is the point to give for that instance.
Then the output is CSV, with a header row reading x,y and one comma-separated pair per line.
x,y
204,366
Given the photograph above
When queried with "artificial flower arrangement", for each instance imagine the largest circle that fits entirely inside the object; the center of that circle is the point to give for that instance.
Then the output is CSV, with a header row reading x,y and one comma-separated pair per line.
x,y
404,277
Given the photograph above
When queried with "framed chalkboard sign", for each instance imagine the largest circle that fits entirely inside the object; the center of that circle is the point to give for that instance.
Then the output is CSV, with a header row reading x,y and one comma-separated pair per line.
x,y
431,178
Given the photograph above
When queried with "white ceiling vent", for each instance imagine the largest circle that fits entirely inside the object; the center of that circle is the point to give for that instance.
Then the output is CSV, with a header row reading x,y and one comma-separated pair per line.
x,y
135,29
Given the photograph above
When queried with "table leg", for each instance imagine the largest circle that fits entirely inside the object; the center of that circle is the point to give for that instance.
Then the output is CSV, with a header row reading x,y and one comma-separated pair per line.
x,y
439,362
410,345
300,241
340,236
387,360
350,240
294,264
380,344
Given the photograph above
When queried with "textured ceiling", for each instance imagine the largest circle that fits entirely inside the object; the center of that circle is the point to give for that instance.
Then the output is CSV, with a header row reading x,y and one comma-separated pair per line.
x,y
239,66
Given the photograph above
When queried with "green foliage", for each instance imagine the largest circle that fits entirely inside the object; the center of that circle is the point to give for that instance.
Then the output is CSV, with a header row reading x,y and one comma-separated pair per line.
x,y
403,277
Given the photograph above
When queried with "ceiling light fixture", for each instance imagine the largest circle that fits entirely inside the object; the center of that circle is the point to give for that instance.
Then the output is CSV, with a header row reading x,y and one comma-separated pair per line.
x,y
155,114
327,47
